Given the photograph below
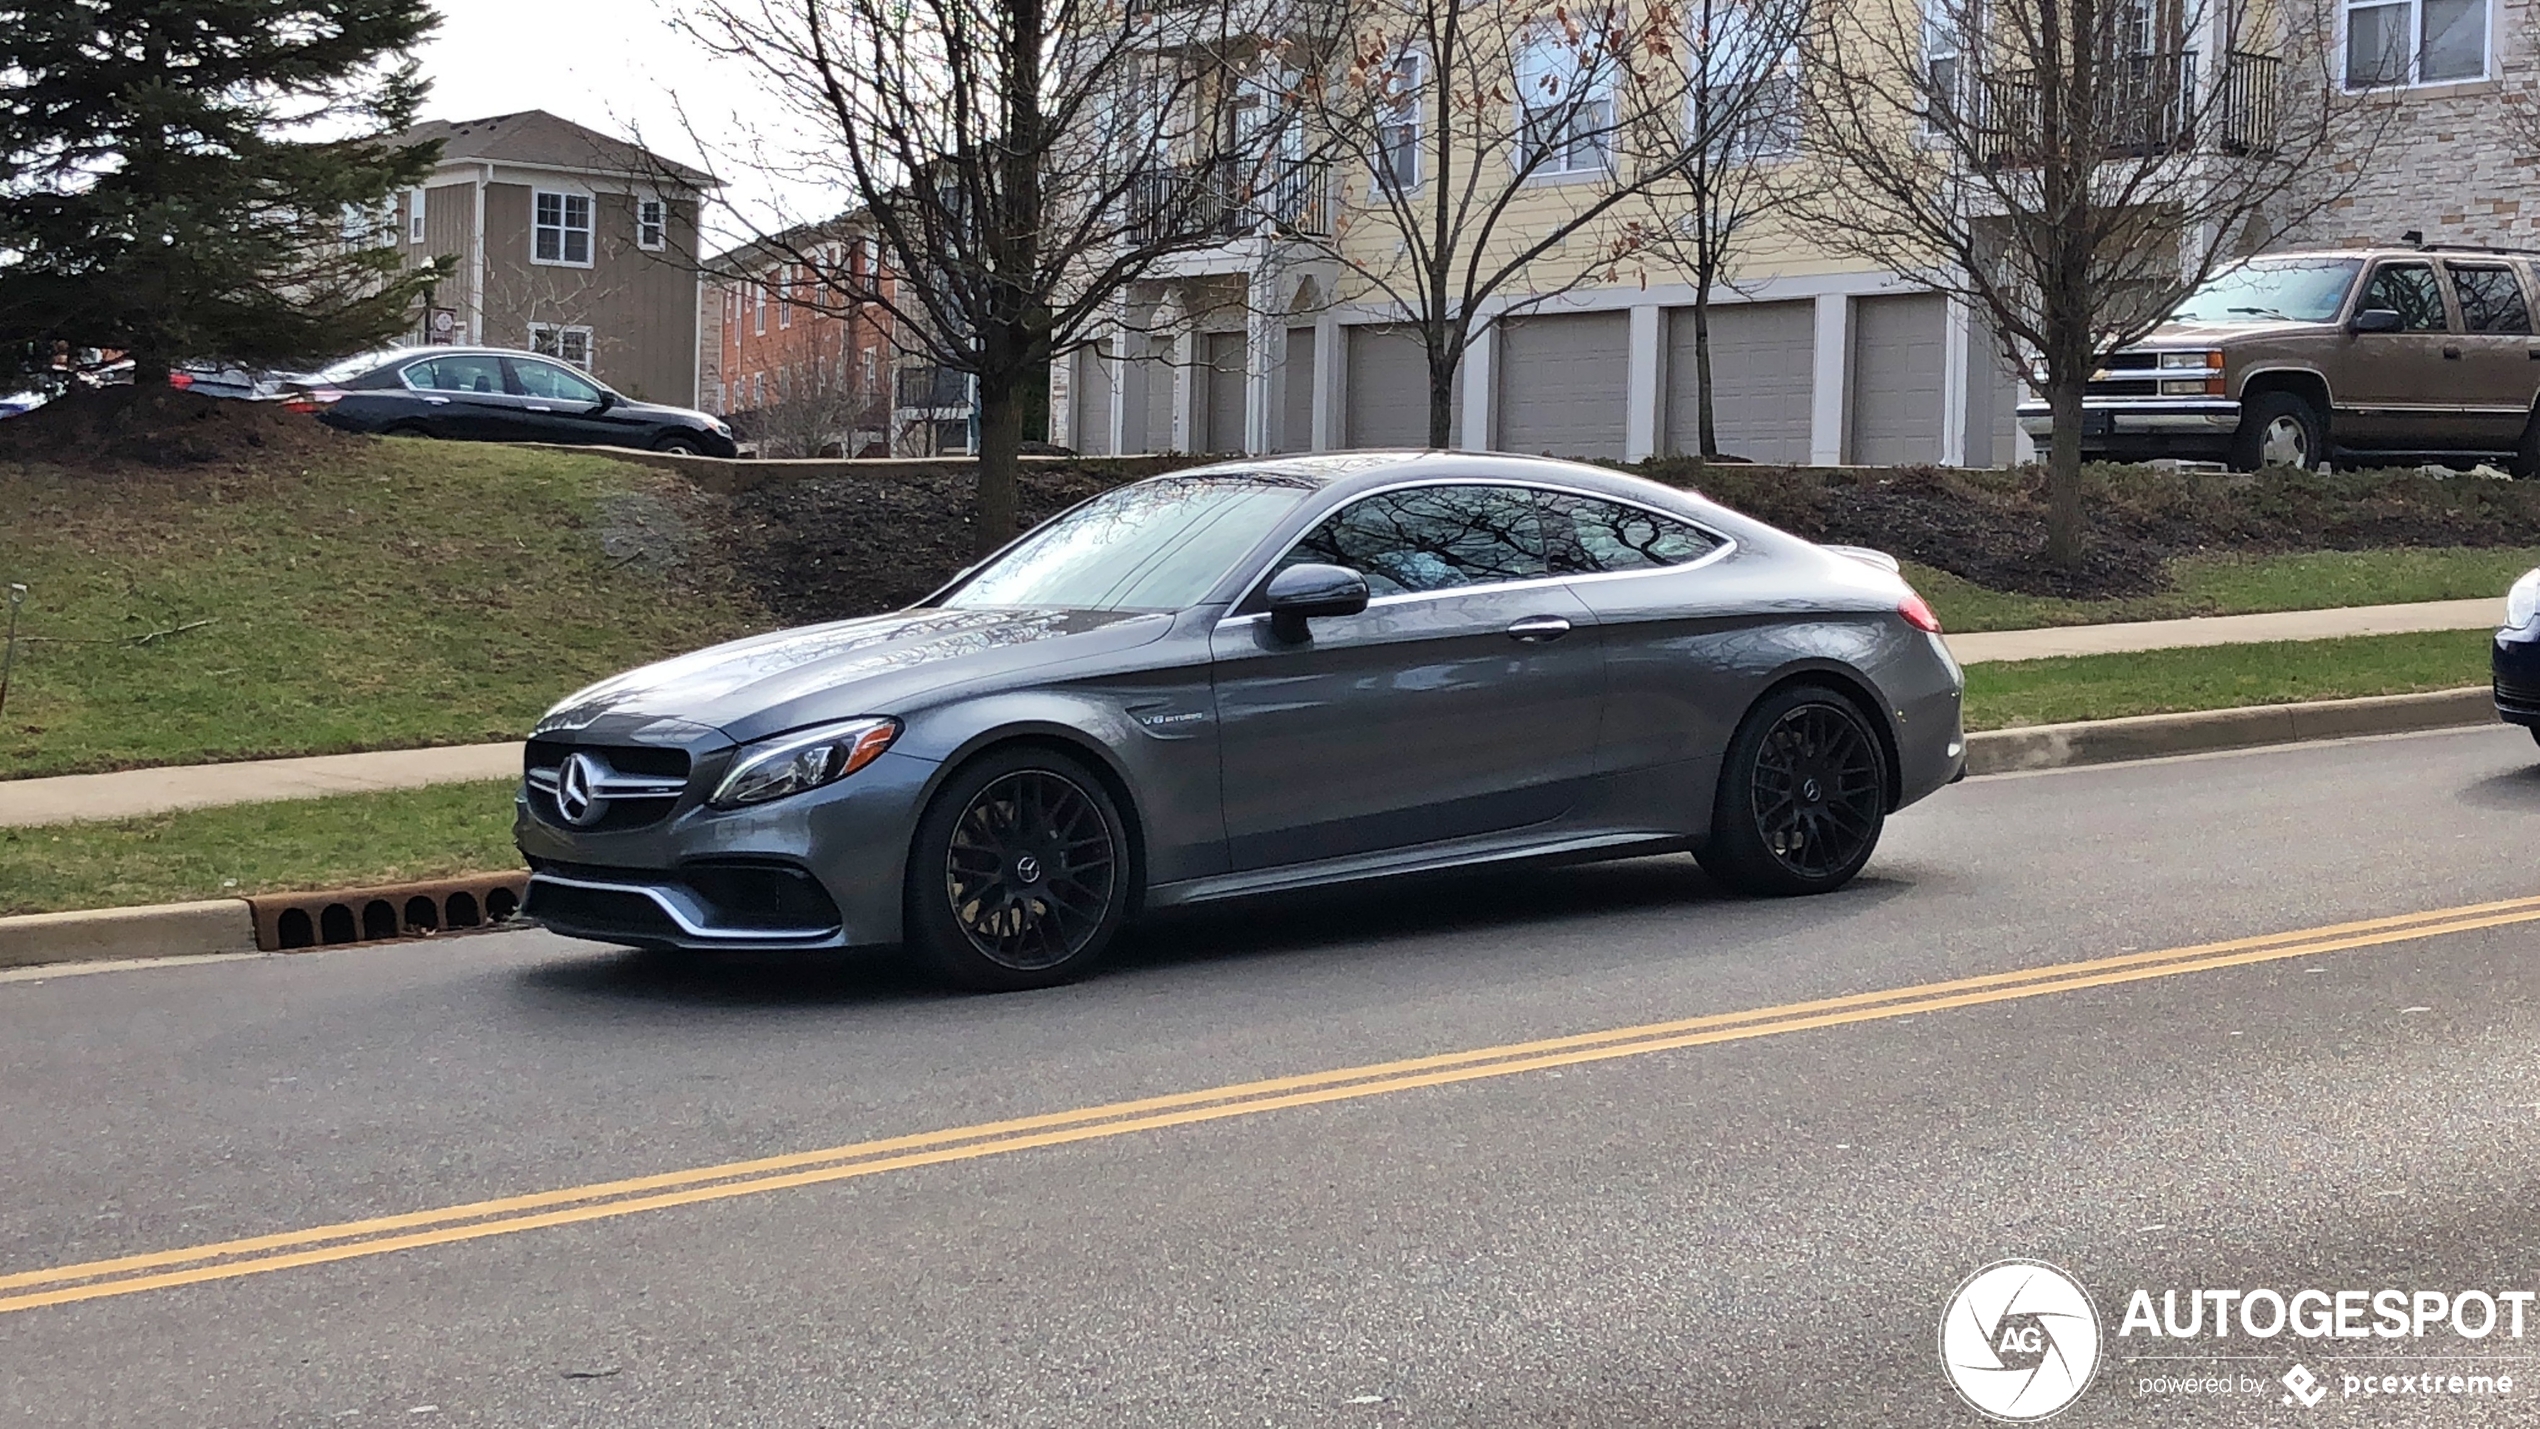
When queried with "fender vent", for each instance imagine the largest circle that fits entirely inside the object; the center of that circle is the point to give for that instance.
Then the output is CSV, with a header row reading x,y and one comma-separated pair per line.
x,y
287,922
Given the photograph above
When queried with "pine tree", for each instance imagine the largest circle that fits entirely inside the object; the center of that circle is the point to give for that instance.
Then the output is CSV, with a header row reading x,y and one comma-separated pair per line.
x,y
202,179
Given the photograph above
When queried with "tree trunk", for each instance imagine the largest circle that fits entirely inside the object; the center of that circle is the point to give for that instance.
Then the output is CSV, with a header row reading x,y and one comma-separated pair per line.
x,y
1443,372
1000,460
1709,442
150,371
2063,464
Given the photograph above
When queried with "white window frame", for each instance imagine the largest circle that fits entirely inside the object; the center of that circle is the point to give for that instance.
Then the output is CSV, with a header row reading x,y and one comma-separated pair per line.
x,y
564,227
787,284
1406,124
2415,60
1560,158
560,336
415,202
1754,142
1942,44
652,224
758,307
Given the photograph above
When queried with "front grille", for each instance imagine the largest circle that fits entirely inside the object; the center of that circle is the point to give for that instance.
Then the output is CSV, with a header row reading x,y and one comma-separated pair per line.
x,y
2124,387
608,912
2517,694
642,783
738,898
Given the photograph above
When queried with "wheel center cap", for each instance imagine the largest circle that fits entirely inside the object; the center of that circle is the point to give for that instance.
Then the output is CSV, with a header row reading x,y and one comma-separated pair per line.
x,y
1027,869
1811,790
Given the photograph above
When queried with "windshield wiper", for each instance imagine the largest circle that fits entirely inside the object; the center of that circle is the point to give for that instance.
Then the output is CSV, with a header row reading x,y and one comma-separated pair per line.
x,y
2263,312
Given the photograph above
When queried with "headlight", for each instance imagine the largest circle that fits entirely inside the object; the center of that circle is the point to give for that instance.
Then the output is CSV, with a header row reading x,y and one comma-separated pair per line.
x,y
721,429
806,759
2193,361
2523,601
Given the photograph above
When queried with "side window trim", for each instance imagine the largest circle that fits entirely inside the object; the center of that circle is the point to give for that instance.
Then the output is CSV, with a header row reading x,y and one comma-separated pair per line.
x,y
2513,279
1248,605
2431,270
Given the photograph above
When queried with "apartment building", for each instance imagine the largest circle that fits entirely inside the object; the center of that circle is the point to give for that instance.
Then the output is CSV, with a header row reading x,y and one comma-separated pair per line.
x,y
567,241
1262,344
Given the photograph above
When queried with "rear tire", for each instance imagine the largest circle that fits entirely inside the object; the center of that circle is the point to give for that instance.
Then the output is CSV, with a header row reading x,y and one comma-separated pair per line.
x,y
2279,429
1019,875
2525,462
1802,798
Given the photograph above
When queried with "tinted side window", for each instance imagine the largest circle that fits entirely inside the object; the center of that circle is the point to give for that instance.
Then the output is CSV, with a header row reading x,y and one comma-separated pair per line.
x,y
457,374
1586,537
545,379
2409,290
2491,300
1431,538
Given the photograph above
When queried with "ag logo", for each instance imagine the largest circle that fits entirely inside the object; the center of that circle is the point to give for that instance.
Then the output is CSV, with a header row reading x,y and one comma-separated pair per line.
x,y
2019,1341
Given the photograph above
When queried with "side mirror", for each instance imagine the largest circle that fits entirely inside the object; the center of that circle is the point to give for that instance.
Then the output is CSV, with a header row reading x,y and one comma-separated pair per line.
x,y
2375,320
607,400
1302,593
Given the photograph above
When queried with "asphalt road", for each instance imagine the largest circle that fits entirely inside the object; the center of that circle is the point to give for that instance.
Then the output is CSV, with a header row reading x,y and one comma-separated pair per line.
x,y
1758,1230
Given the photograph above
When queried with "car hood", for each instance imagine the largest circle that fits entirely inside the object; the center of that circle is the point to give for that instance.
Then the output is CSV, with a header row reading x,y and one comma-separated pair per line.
x,y
769,683
2177,334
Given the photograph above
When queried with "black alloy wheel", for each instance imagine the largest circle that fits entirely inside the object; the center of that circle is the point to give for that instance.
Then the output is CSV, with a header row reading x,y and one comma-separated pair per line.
x,y
1020,875
678,446
1802,799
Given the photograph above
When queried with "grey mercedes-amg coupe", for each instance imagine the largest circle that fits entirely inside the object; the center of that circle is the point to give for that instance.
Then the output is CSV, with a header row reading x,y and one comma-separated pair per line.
x,y
1262,675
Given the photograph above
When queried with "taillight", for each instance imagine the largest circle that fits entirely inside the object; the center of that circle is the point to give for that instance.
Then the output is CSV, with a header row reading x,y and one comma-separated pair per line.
x,y
311,401
180,380
1917,613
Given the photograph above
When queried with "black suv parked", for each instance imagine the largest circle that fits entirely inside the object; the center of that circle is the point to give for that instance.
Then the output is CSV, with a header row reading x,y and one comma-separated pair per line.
x,y
491,394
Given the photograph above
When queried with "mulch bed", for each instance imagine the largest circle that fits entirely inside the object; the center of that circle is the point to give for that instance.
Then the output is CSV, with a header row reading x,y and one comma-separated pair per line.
x,y
826,548
122,428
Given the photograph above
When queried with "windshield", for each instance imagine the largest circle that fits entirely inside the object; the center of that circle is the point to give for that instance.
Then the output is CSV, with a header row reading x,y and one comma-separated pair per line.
x,y
1158,545
2307,290
346,369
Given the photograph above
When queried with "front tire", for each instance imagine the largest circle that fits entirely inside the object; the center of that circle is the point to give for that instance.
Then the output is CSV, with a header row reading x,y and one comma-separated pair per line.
x,y
2279,429
678,446
1802,799
1020,874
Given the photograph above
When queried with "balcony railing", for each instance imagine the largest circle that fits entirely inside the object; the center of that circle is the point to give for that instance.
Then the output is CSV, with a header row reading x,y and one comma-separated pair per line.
x,y
934,387
2147,105
1218,201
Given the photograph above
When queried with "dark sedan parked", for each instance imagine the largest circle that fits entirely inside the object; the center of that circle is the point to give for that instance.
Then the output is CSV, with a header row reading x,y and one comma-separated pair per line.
x,y
1262,675
489,394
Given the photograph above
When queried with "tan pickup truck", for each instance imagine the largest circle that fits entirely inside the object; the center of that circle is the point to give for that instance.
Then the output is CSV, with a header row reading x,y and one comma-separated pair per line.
x,y
2375,355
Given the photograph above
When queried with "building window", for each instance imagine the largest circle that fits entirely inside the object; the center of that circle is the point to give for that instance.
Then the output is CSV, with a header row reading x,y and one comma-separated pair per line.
x,y
652,224
1747,95
414,216
570,345
2392,43
561,229
785,296
758,307
1944,74
1565,98
1398,137
758,390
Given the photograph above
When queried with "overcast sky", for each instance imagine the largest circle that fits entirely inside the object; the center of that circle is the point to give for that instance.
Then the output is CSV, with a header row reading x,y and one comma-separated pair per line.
x,y
612,65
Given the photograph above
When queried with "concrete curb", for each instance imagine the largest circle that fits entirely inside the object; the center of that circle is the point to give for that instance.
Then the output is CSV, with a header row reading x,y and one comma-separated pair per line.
x,y
2109,741
228,925
164,930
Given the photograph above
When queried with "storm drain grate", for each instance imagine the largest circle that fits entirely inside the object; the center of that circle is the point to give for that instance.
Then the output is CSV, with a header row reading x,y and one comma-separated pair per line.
x,y
289,921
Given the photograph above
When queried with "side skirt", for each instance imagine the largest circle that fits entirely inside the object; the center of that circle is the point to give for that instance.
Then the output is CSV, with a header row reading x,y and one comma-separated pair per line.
x,y
1424,858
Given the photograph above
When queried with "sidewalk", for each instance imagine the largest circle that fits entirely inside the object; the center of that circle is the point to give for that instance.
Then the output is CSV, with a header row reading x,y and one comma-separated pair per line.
x,y
2480,614
135,792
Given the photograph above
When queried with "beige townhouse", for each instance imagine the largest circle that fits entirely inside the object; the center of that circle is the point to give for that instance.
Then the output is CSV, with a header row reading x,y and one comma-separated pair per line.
x,y
565,241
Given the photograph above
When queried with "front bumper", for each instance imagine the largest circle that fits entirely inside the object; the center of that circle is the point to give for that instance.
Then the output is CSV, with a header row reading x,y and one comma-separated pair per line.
x,y
821,870
2181,426
2516,665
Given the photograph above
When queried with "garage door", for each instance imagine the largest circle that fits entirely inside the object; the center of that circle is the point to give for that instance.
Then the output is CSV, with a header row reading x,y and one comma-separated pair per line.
x,y
1896,368
1563,382
1222,372
1763,376
1389,389
1296,412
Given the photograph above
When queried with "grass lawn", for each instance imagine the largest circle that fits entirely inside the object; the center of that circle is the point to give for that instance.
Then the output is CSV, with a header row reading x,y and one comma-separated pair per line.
x,y
416,593
2244,585
290,846
2081,687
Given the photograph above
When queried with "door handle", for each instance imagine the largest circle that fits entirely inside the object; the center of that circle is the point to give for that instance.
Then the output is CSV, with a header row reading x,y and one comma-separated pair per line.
x,y
536,408
2451,354
444,401
1535,629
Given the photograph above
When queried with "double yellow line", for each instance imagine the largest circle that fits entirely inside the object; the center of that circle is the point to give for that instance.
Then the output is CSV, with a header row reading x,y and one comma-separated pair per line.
x,y
256,1255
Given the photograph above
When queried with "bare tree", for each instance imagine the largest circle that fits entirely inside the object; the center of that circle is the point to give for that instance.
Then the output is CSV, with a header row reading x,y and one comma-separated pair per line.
x,y
1022,161
1496,152
823,400
2073,168
1744,105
